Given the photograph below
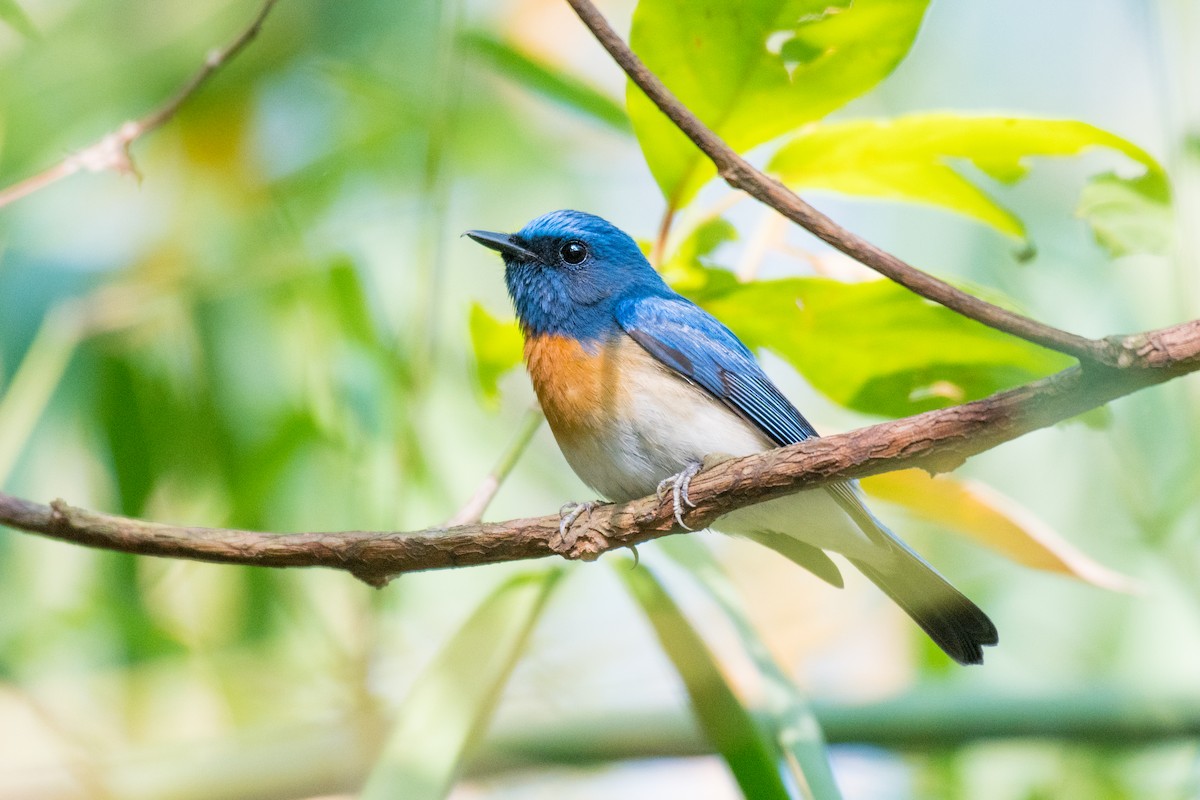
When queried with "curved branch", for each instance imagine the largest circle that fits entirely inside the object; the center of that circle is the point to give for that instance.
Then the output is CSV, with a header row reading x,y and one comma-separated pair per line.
x,y
740,174
112,152
936,440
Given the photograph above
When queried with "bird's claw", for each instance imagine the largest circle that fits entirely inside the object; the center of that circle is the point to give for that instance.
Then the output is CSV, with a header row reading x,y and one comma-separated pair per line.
x,y
568,544
678,485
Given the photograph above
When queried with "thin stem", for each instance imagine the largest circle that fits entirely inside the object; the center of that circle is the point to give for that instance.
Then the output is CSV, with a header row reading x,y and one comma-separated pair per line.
x,y
658,252
473,510
34,382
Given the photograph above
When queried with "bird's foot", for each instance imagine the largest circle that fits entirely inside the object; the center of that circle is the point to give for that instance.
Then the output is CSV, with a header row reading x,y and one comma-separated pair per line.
x,y
677,485
586,544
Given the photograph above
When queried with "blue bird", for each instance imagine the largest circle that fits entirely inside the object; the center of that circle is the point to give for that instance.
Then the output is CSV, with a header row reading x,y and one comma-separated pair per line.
x,y
639,385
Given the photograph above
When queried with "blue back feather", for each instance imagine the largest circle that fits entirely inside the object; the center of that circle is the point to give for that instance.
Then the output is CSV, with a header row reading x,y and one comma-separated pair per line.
x,y
693,343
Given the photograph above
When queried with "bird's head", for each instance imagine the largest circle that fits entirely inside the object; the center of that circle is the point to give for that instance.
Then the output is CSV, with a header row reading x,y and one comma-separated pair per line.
x,y
566,271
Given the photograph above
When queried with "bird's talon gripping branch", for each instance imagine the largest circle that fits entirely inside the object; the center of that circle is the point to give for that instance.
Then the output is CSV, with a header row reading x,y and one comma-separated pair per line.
x,y
586,544
678,485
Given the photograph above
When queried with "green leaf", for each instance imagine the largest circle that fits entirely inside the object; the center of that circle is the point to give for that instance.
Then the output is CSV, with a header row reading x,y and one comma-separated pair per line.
x,y
912,158
688,267
451,703
876,347
756,69
751,755
497,346
17,19
795,729
349,302
546,79
1129,215
121,597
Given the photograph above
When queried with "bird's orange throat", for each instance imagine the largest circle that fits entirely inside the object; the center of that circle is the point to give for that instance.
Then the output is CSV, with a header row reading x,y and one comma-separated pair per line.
x,y
578,390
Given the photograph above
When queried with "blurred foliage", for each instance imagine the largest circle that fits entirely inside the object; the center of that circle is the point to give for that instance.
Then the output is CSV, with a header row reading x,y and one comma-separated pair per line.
x,y
995,521
451,703
15,17
278,328
751,753
1130,215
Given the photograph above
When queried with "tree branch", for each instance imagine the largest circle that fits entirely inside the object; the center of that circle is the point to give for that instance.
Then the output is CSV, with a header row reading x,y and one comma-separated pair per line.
x,y
936,440
740,174
112,152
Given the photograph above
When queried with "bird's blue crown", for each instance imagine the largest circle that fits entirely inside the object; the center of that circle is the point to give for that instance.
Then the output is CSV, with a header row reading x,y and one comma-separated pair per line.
x,y
584,267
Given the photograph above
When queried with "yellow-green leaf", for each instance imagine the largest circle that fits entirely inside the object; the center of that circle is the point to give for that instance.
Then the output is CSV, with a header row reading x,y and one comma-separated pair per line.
x,y
497,347
687,268
993,520
876,347
753,70
912,159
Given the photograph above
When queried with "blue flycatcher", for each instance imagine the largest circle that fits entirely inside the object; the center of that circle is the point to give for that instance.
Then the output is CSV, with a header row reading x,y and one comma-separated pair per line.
x,y
639,384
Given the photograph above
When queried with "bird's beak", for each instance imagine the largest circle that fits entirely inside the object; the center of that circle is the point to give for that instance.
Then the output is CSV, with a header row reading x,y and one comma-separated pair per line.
x,y
504,244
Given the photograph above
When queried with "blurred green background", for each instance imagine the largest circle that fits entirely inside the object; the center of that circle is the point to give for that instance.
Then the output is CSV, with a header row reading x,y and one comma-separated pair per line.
x,y
271,330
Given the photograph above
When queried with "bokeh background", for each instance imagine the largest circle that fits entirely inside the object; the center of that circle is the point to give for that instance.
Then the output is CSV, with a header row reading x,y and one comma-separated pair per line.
x,y
270,330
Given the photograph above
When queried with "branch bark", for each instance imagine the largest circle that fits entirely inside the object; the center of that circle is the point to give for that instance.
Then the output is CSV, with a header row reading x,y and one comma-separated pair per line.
x,y
936,440
112,152
740,174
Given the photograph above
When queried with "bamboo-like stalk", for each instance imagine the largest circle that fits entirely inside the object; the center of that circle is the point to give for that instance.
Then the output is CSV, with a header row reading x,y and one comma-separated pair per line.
x,y
284,764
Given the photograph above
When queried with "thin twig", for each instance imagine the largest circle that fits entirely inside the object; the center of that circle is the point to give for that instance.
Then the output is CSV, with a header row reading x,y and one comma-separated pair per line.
x,y
658,252
740,174
112,152
936,441
473,510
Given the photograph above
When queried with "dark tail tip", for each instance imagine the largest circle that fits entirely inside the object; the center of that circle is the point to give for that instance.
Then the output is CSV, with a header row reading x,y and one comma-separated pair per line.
x,y
952,621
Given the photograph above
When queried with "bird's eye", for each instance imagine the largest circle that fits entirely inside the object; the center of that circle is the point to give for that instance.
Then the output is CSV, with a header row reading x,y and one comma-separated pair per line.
x,y
573,252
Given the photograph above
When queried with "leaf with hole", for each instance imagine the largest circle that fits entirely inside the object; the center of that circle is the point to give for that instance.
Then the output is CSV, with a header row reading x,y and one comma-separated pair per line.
x,y
756,69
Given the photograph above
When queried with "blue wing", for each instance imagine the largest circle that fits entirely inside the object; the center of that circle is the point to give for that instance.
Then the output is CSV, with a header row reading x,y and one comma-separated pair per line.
x,y
692,342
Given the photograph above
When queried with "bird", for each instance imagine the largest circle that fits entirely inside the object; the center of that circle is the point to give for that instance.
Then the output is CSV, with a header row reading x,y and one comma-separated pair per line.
x,y
640,385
